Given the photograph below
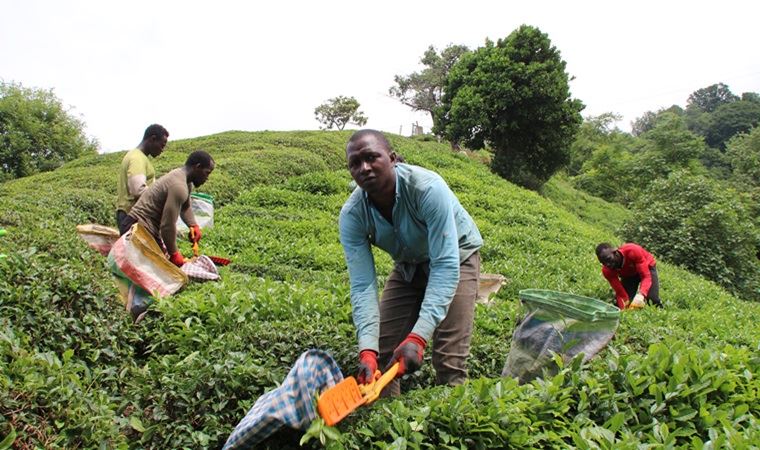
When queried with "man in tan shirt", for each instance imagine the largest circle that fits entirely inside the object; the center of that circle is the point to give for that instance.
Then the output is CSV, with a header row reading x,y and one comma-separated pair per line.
x,y
137,173
168,198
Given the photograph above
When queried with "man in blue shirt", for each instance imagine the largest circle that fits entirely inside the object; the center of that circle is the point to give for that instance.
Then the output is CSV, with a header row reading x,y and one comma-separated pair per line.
x,y
410,213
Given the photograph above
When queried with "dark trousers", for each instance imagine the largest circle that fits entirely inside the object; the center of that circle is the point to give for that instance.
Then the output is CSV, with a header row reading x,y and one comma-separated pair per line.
x,y
400,308
631,285
124,221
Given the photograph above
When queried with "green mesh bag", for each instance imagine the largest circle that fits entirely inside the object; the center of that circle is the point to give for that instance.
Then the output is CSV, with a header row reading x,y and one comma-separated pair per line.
x,y
561,323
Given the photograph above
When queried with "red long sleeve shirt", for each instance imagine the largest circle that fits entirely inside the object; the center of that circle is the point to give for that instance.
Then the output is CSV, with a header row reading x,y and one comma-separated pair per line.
x,y
636,260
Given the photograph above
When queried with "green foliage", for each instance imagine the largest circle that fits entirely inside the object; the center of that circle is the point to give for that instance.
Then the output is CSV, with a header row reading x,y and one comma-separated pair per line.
x,y
731,119
716,114
697,223
75,373
589,209
423,91
620,167
648,121
338,112
514,96
710,98
593,132
743,153
675,395
37,133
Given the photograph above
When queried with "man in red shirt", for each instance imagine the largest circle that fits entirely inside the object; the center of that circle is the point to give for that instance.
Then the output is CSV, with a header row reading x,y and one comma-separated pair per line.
x,y
631,272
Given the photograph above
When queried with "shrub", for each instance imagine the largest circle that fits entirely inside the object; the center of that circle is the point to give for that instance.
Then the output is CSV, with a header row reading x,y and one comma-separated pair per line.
x,y
697,223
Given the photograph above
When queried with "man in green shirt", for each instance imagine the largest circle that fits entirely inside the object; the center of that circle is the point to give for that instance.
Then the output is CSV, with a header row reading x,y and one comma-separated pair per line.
x,y
137,172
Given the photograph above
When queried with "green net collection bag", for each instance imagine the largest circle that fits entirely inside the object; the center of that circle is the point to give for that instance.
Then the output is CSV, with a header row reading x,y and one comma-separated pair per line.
x,y
561,323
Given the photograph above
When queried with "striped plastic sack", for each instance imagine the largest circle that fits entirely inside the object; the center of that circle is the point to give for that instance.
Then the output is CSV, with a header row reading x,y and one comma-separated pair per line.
x,y
138,258
557,323
98,237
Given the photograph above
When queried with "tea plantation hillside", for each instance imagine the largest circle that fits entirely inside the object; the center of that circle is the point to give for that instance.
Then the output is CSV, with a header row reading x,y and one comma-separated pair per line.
x,y
75,372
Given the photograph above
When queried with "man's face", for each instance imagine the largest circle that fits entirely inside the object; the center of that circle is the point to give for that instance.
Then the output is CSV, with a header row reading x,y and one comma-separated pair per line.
x,y
156,144
371,164
201,174
611,258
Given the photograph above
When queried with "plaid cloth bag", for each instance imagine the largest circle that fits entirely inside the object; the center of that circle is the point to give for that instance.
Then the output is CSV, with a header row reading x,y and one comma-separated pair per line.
x,y
291,404
201,268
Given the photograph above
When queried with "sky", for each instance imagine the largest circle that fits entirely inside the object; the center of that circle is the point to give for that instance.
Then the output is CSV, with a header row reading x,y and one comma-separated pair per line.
x,y
200,67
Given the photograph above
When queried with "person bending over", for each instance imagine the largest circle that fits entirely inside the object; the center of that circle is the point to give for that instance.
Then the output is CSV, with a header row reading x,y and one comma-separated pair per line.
x,y
168,198
410,213
632,273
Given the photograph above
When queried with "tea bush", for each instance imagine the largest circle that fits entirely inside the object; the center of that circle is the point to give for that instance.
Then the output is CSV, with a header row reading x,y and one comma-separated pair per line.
x,y
77,374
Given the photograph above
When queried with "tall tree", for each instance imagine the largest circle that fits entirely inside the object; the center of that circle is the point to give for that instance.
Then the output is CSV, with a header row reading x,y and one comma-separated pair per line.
x,y
730,119
710,98
743,153
649,119
423,91
338,112
37,133
514,96
594,132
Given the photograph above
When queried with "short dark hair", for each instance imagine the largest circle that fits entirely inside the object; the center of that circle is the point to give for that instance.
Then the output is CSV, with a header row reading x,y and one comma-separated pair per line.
x,y
199,157
368,132
155,130
602,247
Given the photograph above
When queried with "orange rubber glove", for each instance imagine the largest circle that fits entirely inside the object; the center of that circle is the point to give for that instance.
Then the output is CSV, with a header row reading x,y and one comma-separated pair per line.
x,y
177,259
195,233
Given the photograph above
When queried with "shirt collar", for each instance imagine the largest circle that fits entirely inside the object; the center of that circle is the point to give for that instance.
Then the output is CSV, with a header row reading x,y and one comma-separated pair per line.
x,y
398,189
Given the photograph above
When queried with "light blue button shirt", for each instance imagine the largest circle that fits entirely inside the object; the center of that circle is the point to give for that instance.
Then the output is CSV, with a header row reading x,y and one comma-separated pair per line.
x,y
429,226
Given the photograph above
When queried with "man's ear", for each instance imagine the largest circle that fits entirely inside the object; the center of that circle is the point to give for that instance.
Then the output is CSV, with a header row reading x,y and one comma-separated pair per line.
x,y
393,156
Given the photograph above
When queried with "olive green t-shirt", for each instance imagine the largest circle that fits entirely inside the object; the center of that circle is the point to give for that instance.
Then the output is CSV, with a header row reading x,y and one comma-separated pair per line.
x,y
135,162
160,205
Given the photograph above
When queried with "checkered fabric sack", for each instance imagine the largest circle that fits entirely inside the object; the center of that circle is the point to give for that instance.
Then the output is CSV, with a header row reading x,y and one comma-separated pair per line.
x,y
292,404
201,268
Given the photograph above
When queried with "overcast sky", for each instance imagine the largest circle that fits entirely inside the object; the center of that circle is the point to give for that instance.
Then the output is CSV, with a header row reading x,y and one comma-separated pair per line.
x,y
204,67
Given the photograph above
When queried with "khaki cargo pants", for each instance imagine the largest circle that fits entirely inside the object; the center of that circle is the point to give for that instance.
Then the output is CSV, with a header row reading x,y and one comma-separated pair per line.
x,y
400,307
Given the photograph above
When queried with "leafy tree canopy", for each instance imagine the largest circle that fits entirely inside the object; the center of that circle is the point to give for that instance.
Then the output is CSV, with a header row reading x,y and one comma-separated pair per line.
x,y
37,133
423,90
593,132
514,96
649,119
743,153
620,169
710,98
338,112
730,119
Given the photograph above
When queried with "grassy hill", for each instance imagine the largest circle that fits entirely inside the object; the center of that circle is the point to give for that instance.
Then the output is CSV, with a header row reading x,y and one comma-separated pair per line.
x,y
75,373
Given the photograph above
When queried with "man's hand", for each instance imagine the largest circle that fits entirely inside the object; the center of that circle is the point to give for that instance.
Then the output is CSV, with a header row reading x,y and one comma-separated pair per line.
x,y
194,234
177,259
367,366
638,301
408,354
